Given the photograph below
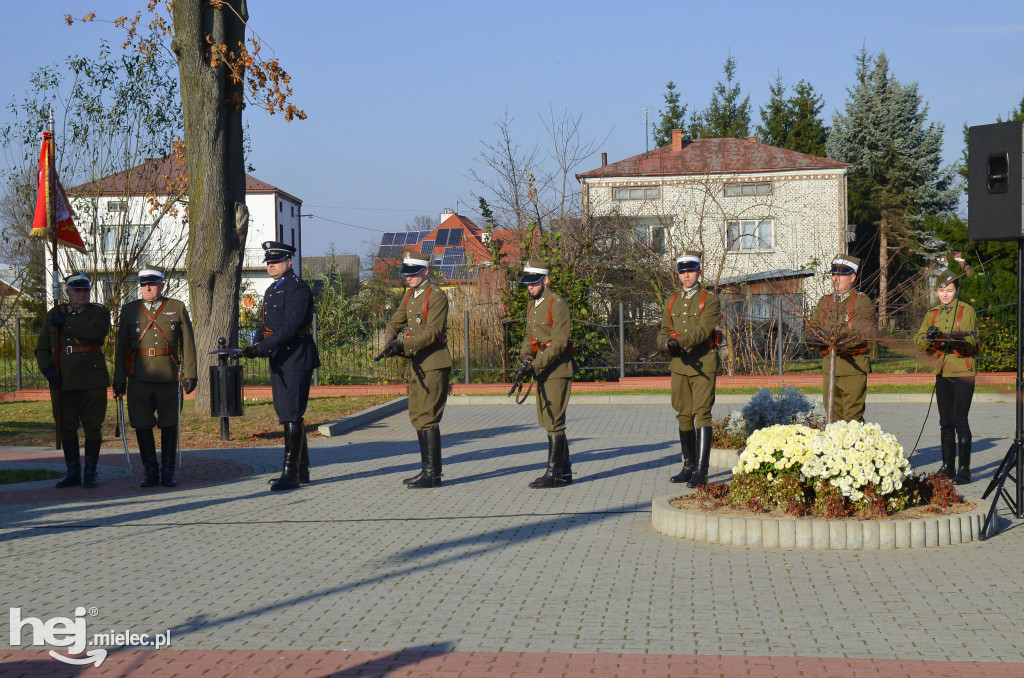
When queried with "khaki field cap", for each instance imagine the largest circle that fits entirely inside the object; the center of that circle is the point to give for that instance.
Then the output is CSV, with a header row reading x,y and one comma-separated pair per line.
x,y
414,263
947,277
534,272
689,261
845,264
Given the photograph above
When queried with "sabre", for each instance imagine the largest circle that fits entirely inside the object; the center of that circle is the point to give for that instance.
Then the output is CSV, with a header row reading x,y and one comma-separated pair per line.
x,y
181,405
124,438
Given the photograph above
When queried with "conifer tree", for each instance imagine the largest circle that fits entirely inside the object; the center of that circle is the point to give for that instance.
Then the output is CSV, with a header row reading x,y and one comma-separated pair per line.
x,y
673,116
896,175
775,116
727,115
807,132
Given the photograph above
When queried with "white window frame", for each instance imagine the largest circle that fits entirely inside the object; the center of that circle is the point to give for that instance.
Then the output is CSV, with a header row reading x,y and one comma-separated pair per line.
x,y
620,193
747,235
747,189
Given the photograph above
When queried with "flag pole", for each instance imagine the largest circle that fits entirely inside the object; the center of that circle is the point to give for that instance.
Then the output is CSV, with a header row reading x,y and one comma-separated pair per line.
x,y
51,202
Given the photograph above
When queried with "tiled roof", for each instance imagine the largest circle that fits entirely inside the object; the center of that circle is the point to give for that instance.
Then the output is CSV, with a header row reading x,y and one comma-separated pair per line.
x,y
712,156
153,177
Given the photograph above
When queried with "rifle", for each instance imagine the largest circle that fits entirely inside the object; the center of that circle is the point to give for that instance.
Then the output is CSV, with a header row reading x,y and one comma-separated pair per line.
x,y
392,348
517,382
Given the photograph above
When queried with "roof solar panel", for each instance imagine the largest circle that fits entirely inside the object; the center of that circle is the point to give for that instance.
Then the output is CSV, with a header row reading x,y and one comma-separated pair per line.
x,y
427,247
455,237
454,255
441,239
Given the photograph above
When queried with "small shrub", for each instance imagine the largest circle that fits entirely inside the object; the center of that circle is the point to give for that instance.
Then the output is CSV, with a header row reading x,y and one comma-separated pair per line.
x,y
766,408
712,495
944,492
829,501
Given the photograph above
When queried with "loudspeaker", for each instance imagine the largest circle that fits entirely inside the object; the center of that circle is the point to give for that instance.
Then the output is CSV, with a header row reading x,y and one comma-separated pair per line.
x,y
995,183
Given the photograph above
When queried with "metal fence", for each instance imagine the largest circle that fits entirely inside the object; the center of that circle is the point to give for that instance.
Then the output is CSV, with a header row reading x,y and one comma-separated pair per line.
x,y
484,352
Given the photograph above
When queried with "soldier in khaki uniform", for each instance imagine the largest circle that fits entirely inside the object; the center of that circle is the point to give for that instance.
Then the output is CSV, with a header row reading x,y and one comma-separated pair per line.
x,y
154,343
418,331
948,333
77,330
547,355
843,323
689,336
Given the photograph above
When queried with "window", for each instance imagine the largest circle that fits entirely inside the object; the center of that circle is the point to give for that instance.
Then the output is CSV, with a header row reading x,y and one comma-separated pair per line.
x,y
117,206
635,193
127,238
650,235
735,190
749,235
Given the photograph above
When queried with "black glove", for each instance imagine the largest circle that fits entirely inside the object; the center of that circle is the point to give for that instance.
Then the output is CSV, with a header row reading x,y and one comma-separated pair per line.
x,y
120,388
817,339
395,347
933,333
50,372
57,318
670,346
251,352
526,368
189,384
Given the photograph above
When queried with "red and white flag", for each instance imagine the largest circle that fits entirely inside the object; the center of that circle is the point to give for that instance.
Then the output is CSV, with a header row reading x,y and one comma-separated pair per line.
x,y
67,234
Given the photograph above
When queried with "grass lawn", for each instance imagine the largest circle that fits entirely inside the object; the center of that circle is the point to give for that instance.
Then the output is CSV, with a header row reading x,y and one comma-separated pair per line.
x,y
23,475
32,423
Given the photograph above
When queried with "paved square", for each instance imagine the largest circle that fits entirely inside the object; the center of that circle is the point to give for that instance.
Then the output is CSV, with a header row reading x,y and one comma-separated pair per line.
x,y
359,563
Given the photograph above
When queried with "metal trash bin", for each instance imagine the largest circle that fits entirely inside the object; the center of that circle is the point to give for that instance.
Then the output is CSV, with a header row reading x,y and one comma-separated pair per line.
x,y
226,381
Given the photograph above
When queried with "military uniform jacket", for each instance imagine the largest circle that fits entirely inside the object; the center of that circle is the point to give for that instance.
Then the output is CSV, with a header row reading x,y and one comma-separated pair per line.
x,y
956,317
548,320
696,330
853,325
423,314
284,333
83,327
171,331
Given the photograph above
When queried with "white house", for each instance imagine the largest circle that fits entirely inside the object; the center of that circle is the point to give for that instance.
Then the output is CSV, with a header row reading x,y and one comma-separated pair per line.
x,y
136,218
765,217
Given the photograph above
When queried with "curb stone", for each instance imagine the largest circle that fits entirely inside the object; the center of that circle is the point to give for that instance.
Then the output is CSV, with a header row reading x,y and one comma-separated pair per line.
x,y
818,535
353,421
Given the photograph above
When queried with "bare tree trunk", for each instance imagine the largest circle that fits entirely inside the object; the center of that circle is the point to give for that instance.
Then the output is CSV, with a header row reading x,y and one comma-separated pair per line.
x,y
883,273
218,218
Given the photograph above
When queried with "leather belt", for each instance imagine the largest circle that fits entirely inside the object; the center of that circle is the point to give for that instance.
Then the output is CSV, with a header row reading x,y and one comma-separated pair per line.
x,y
301,333
152,352
68,350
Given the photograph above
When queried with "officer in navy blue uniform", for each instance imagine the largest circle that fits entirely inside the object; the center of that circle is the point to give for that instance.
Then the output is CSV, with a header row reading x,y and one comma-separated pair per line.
x,y
284,336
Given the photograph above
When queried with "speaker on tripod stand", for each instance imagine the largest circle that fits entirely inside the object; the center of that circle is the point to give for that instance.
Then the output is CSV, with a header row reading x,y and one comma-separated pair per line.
x,y
995,211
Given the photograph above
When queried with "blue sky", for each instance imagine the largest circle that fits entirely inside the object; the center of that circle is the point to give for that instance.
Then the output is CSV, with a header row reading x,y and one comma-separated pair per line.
x,y
400,94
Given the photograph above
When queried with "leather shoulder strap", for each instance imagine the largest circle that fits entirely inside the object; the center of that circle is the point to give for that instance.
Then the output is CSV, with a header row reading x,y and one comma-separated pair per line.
x,y
405,302
935,316
152,321
700,306
671,302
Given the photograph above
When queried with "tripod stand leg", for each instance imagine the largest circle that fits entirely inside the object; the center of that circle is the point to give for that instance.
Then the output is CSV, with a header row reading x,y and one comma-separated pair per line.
x,y
998,480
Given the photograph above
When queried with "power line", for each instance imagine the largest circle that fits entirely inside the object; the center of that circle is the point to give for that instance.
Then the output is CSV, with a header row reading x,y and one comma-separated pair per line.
x,y
371,209
343,223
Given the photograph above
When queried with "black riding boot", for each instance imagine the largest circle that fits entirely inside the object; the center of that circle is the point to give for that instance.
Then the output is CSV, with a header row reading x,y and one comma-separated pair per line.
x,y
168,455
432,467
553,475
292,451
948,443
963,476
687,441
700,476
73,460
304,458
566,464
422,437
147,450
92,458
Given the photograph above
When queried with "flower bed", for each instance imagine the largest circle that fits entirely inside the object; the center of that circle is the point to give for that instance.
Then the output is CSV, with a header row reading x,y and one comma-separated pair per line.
x,y
846,469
